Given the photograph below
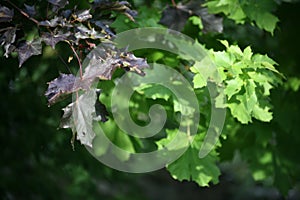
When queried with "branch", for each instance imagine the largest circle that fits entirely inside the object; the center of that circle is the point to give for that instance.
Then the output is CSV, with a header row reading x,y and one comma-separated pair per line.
x,y
22,12
78,59
173,3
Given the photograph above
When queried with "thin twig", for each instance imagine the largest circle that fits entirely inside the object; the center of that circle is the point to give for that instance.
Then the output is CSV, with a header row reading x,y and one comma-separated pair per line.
x,y
173,3
22,12
78,59
63,62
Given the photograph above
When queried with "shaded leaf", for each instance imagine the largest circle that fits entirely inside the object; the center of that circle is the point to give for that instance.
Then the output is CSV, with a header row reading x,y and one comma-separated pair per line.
x,y
175,17
7,39
61,86
100,109
190,167
58,4
155,91
120,6
30,10
52,23
6,14
66,13
51,39
211,23
28,49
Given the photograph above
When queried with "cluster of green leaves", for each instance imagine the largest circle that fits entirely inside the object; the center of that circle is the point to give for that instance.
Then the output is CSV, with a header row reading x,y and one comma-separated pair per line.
x,y
259,12
247,78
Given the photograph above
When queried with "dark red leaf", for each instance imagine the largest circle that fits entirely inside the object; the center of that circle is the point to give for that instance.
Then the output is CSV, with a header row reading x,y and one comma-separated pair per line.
x,y
28,49
211,23
100,109
30,10
82,15
120,6
51,39
59,87
6,14
174,18
58,4
7,39
53,22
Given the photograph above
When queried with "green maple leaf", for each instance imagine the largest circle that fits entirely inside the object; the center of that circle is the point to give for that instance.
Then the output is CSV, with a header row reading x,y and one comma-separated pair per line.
x,y
190,167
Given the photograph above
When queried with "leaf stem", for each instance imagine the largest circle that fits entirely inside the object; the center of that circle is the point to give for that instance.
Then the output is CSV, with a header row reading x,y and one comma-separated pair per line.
x,y
22,12
63,62
173,3
78,59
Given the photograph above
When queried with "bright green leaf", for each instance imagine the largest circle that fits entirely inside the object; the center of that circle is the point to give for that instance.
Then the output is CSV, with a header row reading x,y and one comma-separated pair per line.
x,y
240,112
262,114
190,167
233,86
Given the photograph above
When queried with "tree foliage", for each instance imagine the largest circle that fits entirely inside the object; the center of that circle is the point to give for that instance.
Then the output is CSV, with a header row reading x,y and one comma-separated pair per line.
x,y
256,131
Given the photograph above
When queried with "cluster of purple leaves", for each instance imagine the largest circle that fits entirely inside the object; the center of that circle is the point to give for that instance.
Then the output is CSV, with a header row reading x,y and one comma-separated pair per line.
x,y
175,17
76,28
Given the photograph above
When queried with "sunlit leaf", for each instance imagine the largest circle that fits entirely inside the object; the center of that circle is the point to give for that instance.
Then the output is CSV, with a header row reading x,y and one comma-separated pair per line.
x,y
233,86
84,112
82,15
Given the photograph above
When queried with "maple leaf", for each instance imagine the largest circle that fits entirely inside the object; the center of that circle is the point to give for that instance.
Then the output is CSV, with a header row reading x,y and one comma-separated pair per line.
x,y
176,17
30,10
211,23
82,15
120,6
53,22
114,58
58,4
52,39
80,114
6,14
28,49
87,108
100,109
102,64
104,27
7,39
61,86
